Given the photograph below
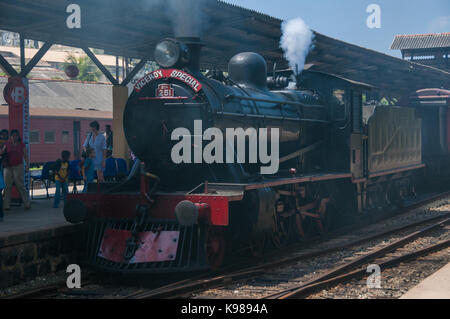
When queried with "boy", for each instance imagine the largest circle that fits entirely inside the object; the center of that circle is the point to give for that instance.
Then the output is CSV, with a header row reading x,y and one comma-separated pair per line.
x,y
61,170
88,168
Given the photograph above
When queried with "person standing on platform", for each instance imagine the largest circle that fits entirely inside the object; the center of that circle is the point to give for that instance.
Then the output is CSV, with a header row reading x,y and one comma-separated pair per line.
x,y
109,137
16,154
88,168
4,135
61,170
97,141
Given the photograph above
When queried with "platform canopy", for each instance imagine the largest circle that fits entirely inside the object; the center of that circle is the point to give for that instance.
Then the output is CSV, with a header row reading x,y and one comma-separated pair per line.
x,y
132,28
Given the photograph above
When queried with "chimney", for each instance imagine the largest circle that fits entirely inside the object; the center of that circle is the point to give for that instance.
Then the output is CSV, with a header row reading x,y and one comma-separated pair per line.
x,y
195,47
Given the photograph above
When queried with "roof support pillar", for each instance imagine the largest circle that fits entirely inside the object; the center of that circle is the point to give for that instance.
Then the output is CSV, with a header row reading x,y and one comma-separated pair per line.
x,y
36,58
5,66
120,97
18,98
133,73
22,52
100,65
117,67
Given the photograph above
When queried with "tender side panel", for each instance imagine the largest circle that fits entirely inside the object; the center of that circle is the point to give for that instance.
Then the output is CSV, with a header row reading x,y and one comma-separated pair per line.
x,y
394,139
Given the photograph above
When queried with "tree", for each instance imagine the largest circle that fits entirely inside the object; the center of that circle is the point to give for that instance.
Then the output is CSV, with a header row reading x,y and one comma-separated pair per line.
x,y
88,71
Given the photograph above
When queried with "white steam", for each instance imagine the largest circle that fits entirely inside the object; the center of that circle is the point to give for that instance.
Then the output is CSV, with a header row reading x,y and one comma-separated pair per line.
x,y
188,17
296,42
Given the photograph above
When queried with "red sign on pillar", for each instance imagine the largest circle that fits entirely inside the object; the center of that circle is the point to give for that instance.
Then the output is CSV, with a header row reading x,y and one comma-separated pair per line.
x,y
16,95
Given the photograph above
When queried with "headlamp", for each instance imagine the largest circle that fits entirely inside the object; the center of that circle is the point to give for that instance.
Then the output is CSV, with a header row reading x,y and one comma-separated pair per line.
x,y
171,53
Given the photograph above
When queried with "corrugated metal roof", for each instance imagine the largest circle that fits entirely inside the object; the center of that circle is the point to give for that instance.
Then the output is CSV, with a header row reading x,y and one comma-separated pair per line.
x,y
133,31
66,95
421,41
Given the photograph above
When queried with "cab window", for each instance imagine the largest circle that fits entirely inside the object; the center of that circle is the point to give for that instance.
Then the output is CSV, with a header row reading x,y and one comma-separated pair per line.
x,y
339,107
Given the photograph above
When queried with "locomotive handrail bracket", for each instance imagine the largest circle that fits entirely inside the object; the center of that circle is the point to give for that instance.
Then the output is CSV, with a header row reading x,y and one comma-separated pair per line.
x,y
184,104
279,118
232,96
298,179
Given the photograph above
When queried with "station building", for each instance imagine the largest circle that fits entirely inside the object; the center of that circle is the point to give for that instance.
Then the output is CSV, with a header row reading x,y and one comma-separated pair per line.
x,y
427,49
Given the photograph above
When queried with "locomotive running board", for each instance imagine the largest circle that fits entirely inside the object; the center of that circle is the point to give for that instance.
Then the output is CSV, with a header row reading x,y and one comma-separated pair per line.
x,y
235,191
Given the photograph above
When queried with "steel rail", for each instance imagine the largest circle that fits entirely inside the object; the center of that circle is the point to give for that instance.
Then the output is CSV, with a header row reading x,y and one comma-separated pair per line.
x,y
189,286
202,281
292,292
307,290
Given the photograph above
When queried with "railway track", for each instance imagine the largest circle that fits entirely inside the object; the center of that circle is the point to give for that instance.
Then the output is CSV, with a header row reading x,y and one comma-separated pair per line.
x,y
257,269
228,278
353,268
197,286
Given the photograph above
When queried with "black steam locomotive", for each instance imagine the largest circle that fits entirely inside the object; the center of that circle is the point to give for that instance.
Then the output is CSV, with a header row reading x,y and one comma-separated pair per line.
x,y
334,159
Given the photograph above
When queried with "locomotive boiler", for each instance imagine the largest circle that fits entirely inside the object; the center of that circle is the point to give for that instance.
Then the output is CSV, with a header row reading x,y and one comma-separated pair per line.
x,y
173,215
170,98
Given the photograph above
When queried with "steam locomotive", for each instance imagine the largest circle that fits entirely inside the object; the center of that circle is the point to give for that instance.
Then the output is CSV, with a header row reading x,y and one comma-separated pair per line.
x,y
336,160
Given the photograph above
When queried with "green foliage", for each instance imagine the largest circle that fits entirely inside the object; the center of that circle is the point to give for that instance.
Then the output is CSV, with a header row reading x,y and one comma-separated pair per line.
x,y
88,71
386,101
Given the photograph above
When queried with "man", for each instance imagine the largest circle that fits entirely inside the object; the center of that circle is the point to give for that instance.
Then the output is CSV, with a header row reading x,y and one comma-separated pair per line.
x,y
97,141
16,155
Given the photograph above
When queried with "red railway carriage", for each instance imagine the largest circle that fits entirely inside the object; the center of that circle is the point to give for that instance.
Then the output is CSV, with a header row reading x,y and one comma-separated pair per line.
x,y
60,113
432,107
52,131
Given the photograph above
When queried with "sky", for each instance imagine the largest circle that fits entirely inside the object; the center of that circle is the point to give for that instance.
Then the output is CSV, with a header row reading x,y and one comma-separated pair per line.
x,y
346,19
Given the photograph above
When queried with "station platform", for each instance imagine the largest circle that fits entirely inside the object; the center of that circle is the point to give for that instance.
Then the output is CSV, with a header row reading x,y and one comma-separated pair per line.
x,y
436,286
37,241
42,215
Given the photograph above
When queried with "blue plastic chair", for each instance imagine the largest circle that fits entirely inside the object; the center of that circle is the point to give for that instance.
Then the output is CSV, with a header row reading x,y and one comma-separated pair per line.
x,y
122,170
75,174
44,177
110,172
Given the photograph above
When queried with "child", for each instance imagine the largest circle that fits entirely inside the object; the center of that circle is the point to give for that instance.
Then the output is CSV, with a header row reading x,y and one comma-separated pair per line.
x,y
61,170
88,168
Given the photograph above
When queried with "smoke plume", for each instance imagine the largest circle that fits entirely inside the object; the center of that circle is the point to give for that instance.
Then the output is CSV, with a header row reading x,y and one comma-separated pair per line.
x,y
188,17
296,42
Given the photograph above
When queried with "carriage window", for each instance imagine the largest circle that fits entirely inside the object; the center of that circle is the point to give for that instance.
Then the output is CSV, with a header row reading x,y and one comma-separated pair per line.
x,y
34,137
339,104
49,137
65,137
